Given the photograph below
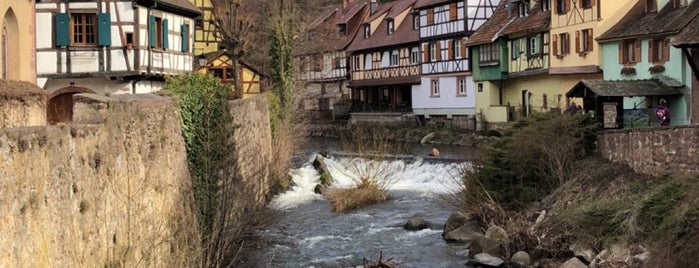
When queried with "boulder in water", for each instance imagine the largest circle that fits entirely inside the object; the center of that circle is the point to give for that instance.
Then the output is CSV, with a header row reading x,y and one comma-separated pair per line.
x,y
434,152
488,260
416,224
319,188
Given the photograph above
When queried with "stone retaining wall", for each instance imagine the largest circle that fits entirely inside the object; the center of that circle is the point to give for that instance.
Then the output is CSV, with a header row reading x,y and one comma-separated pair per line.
x,y
654,151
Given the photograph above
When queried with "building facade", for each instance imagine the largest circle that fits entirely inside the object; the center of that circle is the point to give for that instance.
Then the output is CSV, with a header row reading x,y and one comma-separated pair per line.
x,y
637,49
110,47
446,86
385,61
17,58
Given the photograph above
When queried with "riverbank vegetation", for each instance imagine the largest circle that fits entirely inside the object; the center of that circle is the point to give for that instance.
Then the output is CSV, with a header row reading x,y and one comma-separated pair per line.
x,y
544,184
371,171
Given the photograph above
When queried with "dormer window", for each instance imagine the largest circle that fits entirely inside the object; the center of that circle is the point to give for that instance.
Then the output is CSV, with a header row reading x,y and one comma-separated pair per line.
x,y
651,5
679,3
545,5
389,25
416,21
523,9
343,29
367,31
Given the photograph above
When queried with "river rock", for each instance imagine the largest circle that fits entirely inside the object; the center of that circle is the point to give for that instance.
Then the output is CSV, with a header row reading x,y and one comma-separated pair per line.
x,y
319,188
463,234
416,224
573,263
521,258
488,260
434,152
456,220
322,168
497,233
483,244
583,252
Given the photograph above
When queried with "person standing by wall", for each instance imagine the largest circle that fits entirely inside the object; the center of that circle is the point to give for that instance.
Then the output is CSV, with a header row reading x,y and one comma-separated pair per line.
x,y
663,113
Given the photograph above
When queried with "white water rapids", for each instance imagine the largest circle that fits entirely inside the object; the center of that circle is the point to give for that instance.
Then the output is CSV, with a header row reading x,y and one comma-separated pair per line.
x,y
309,234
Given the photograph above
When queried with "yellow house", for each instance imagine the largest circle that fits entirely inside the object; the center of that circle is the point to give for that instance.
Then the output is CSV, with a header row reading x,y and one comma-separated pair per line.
x,y
219,64
17,53
205,40
575,24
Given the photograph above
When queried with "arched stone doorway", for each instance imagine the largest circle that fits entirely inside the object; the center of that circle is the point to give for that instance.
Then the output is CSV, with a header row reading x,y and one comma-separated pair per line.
x,y
9,52
59,108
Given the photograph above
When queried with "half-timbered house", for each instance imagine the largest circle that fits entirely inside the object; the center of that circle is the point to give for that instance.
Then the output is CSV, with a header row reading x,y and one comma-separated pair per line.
x,y
17,58
218,64
529,88
385,61
636,52
322,65
447,88
110,47
205,38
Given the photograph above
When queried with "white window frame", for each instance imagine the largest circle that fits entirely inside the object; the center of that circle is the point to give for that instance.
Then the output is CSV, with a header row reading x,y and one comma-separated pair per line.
x,y
394,58
367,31
456,46
434,88
357,63
433,52
545,5
415,56
390,26
461,86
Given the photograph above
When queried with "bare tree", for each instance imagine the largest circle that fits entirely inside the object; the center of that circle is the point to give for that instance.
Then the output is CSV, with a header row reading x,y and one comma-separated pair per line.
x,y
236,24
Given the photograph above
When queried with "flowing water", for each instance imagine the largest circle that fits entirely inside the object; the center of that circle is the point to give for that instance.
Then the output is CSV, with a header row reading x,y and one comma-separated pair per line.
x,y
309,234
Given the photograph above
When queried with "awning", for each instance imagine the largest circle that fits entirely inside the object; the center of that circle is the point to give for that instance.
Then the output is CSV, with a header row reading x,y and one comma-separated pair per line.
x,y
407,80
629,88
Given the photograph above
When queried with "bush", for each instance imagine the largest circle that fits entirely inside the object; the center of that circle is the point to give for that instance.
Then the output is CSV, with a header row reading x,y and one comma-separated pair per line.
x,y
535,156
366,193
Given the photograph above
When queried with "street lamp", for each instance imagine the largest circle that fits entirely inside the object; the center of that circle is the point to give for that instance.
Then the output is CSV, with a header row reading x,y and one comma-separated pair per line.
x,y
202,60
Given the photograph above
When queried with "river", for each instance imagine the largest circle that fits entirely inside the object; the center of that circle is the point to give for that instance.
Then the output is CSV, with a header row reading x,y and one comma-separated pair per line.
x,y
308,234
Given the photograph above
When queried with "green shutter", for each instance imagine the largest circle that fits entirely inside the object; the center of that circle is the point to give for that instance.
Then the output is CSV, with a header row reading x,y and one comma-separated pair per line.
x,y
151,31
62,26
537,44
165,35
185,37
104,29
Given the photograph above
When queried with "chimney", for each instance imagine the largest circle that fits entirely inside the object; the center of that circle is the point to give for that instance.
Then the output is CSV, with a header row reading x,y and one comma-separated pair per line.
x,y
344,4
372,6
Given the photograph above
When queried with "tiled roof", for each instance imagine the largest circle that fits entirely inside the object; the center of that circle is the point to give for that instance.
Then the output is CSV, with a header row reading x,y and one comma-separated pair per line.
x,y
489,31
427,3
327,24
627,88
178,6
536,21
669,20
689,35
403,33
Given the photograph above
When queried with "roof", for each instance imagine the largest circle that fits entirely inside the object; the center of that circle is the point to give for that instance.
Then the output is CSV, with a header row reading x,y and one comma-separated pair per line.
x,y
326,24
490,30
213,55
183,7
403,32
536,21
429,3
623,88
637,22
689,36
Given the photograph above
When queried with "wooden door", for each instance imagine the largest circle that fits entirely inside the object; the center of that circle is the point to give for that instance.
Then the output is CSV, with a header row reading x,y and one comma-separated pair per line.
x,y
60,108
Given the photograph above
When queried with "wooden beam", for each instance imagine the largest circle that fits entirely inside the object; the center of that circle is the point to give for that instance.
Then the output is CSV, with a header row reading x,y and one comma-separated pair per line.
x,y
692,60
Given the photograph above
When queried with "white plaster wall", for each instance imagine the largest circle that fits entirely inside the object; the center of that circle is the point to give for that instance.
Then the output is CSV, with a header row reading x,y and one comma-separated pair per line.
x,y
98,85
44,31
448,103
46,62
149,86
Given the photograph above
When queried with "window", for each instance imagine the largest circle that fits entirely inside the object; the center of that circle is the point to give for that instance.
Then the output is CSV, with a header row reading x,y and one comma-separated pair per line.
x,y
343,29
659,50
586,3
394,58
199,23
480,87
515,49
337,63
545,5
433,51
367,31
561,6
679,3
84,29
416,21
456,49
561,44
461,86
357,63
523,9
389,24
489,53
629,51
586,41
533,45
158,32
651,5
435,88
414,55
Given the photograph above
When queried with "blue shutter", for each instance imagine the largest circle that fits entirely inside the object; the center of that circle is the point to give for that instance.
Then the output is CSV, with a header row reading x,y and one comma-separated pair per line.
x,y
104,29
185,37
165,34
151,31
62,27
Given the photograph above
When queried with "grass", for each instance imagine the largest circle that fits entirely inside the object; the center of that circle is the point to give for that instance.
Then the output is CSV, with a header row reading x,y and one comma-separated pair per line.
x,y
366,193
